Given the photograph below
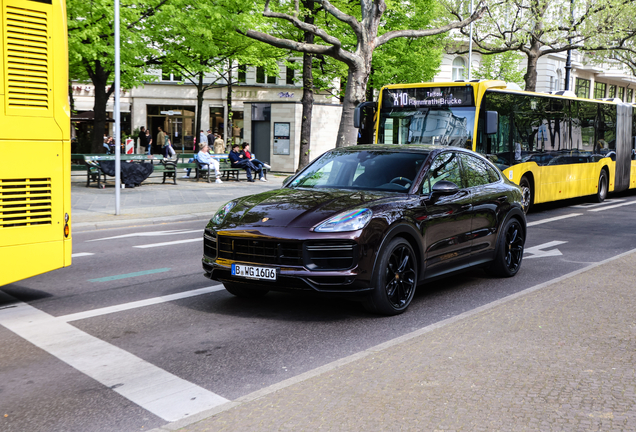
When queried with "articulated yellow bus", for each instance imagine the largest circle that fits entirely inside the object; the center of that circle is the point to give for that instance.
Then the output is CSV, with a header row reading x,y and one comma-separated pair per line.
x,y
35,188
555,146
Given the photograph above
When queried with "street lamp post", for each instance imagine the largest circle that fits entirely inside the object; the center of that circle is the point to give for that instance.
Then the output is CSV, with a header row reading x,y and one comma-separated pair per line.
x,y
117,115
470,45
568,61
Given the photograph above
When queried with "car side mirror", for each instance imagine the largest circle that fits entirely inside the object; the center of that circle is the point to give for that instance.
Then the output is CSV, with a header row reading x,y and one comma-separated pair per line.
x,y
445,188
492,122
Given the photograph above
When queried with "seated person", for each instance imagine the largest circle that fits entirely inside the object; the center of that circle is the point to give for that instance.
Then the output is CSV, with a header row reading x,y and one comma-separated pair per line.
x,y
206,161
251,157
239,160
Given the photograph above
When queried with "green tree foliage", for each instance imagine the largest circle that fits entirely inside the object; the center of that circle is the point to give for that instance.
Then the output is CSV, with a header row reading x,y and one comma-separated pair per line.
x,y
91,48
504,66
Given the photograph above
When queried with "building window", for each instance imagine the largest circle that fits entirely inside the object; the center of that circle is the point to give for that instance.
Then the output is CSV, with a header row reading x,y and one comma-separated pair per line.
x,y
170,77
612,91
582,88
630,95
242,73
459,68
559,80
621,93
599,90
261,77
289,80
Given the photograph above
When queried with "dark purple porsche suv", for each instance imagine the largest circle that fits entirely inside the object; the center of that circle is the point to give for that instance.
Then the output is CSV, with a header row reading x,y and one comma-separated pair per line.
x,y
371,222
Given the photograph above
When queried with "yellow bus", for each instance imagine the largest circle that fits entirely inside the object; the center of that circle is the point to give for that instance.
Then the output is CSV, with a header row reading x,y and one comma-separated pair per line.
x,y
555,146
35,187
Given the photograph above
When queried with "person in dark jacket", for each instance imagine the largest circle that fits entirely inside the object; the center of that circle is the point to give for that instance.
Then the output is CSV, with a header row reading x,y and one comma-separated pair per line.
x,y
239,161
143,142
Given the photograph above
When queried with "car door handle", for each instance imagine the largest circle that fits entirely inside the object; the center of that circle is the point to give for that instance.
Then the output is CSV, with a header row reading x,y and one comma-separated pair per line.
x,y
466,207
502,198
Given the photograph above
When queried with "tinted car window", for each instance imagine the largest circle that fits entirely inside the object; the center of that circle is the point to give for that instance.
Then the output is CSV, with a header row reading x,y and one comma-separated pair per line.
x,y
366,170
444,167
477,172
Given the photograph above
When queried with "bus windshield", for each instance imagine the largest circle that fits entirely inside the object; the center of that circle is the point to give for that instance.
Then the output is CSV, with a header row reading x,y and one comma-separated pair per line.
x,y
442,115
443,126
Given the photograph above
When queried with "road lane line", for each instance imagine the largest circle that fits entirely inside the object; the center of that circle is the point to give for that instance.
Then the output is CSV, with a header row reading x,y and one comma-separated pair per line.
x,y
139,303
129,275
613,206
81,254
604,203
169,243
152,388
539,222
148,234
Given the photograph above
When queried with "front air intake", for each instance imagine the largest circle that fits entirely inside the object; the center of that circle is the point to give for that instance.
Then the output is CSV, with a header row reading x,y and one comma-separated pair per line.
x,y
25,202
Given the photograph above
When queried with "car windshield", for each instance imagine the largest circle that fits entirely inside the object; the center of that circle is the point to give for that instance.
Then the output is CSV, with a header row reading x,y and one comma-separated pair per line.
x,y
377,170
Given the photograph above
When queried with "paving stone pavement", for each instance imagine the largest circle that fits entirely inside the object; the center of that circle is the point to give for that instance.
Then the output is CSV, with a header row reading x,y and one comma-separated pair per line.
x,y
558,358
153,202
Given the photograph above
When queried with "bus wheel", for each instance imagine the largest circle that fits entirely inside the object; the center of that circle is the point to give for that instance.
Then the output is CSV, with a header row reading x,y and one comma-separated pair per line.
x,y
527,194
601,192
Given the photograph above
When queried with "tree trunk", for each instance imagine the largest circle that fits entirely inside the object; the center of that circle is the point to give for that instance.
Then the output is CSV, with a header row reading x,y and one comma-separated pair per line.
x,y
354,95
531,68
197,129
308,94
230,121
99,77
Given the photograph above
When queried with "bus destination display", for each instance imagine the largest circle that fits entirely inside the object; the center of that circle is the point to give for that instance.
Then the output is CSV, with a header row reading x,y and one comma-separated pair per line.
x,y
425,97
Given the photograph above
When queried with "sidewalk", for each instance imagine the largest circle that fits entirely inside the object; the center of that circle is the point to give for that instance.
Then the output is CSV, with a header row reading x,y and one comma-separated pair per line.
x,y
153,202
557,357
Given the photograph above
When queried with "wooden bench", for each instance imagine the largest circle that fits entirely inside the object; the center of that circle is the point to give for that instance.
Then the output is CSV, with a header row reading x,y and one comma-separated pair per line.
x,y
94,171
227,170
199,171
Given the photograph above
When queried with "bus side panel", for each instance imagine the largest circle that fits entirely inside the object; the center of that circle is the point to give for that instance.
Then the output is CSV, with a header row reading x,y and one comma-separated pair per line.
x,y
632,183
28,260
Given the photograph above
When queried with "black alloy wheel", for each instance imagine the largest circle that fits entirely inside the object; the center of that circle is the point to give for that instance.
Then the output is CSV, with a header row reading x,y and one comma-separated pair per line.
x,y
527,195
509,251
395,280
244,291
601,192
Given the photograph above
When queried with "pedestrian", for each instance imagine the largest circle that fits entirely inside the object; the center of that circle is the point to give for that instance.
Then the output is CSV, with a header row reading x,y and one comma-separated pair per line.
x,y
251,157
210,138
206,161
219,145
161,141
239,161
148,141
203,139
143,143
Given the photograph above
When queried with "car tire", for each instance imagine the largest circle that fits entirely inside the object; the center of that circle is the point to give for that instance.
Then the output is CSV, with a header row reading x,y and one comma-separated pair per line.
x,y
527,194
601,191
244,291
395,279
509,253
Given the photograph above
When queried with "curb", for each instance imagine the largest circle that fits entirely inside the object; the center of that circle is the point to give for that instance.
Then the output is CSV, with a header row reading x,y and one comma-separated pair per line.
x,y
80,227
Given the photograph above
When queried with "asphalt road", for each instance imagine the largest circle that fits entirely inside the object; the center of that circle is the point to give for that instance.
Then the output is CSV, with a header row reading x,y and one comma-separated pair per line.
x,y
127,312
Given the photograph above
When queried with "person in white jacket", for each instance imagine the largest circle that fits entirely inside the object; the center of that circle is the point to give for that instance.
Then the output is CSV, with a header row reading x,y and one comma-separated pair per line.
x,y
205,158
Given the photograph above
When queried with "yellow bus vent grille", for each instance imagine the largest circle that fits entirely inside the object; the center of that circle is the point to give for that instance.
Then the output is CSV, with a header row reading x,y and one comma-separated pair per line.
x,y
27,58
25,202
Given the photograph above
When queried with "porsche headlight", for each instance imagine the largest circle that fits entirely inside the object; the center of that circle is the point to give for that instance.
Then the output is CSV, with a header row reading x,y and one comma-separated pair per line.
x,y
220,215
351,220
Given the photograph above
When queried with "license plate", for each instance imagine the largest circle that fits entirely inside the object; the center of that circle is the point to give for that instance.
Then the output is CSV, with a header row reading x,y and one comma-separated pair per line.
x,y
254,272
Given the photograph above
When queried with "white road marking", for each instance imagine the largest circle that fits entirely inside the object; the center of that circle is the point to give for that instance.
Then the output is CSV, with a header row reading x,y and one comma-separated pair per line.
x,y
538,252
138,304
539,222
613,206
81,254
148,234
606,202
152,388
169,243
